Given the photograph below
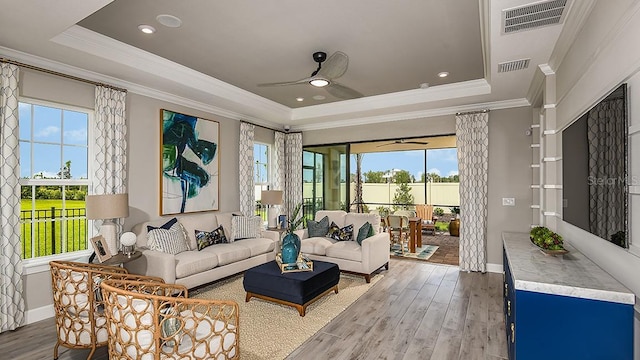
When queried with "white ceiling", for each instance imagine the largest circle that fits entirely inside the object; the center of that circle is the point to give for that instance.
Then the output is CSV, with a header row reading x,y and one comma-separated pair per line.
x,y
224,48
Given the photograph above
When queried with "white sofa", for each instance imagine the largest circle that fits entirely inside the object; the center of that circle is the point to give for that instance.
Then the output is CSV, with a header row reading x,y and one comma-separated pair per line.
x,y
349,255
193,268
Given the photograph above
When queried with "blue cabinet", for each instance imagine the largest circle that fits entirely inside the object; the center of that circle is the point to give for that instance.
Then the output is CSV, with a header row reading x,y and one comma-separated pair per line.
x,y
545,321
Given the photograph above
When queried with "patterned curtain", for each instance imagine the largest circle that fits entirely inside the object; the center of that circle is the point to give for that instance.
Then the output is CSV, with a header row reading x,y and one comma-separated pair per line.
x,y
278,167
293,173
247,181
472,132
605,124
11,301
110,161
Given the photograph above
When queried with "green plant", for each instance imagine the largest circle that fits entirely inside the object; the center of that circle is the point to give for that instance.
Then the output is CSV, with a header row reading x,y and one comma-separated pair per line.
x,y
455,210
438,211
619,239
295,220
545,238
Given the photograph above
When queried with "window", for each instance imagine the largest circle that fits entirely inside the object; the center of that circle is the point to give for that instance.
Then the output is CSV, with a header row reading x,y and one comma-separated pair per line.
x,y
54,178
261,174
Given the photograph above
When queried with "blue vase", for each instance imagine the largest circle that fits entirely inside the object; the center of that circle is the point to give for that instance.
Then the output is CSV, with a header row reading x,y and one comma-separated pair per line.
x,y
290,248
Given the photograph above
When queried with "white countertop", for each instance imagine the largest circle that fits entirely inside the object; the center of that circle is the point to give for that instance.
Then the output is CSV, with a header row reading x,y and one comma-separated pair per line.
x,y
572,274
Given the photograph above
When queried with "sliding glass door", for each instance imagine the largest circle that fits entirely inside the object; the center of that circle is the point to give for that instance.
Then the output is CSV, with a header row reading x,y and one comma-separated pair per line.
x,y
324,176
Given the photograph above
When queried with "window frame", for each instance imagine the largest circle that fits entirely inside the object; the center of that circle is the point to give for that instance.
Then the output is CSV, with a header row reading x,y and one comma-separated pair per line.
x,y
40,263
269,165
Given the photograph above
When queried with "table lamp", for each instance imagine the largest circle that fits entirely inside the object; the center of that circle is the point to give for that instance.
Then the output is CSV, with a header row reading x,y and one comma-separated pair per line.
x,y
271,198
108,207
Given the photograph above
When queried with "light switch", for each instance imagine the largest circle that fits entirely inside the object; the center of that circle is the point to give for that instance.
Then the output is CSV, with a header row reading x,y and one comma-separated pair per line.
x,y
508,202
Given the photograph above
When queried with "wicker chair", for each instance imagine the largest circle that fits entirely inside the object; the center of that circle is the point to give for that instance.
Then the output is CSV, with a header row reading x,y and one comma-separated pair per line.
x,y
398,227
158,321
78,305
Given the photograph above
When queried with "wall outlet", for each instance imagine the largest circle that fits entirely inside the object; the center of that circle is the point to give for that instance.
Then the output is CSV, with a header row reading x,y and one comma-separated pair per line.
x,y
508,202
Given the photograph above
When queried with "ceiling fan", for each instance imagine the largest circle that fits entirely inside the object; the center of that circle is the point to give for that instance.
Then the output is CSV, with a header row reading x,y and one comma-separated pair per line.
x,y
324,76
403,141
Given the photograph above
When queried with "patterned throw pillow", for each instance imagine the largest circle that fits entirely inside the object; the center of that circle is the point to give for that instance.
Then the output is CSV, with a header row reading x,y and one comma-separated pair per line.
x,y
318,228
245,227
364,232
173,223
170,241
208,238
340,234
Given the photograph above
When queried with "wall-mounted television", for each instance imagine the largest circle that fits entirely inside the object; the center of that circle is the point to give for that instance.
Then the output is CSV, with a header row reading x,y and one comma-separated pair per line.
x,y
594,169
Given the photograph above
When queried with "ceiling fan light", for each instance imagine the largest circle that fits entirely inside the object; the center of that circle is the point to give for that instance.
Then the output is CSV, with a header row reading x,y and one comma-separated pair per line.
x,y
319,82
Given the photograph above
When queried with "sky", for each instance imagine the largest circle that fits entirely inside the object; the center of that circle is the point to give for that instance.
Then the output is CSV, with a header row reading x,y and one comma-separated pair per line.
x,y
57,136
443,162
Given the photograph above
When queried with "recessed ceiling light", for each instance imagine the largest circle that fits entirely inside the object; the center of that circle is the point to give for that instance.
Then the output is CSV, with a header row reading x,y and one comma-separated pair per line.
x,y
147,29
319,82
319,97
169,20
443,74
299,99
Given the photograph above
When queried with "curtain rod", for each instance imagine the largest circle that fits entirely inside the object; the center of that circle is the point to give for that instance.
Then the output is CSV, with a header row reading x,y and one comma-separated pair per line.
x,y
272,129
51,72
473,112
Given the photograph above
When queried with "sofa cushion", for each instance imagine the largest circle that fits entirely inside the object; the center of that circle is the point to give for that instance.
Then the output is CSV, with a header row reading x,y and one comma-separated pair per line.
x,y
169,241
208,238
245,227
348,250
358,220
225,221
316,245
340,234
318,228
336,216
193,262
198,221
228,253
257,246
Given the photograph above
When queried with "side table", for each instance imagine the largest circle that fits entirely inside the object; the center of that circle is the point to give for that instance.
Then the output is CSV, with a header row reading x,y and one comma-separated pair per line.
x,y
121,258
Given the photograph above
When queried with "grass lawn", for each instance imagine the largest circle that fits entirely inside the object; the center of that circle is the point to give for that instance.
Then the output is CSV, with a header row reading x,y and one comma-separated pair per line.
x,y
47,232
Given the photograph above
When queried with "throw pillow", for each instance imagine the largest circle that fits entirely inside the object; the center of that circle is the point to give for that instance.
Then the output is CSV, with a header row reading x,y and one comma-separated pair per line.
x,y
364,232
167,226
171,241
318,228
208,238
340,234
245,227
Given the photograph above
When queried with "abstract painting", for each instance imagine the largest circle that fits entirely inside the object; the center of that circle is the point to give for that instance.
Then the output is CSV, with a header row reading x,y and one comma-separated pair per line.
x,y
189,162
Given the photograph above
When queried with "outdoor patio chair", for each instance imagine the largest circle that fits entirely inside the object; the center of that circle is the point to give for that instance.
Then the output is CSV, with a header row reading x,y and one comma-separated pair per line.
x,y
425,212
398,227
78,305
158,321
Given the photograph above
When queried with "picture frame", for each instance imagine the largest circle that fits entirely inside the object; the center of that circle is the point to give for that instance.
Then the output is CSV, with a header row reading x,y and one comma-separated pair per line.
x,y
101,249
282,221
189,163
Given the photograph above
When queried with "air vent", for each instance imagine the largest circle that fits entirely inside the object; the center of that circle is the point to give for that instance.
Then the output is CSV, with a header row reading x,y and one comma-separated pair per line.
x,y
513,65
533,16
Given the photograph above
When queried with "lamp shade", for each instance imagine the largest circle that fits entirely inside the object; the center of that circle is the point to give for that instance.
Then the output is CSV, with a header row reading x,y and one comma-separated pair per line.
x,y
271,197
108,206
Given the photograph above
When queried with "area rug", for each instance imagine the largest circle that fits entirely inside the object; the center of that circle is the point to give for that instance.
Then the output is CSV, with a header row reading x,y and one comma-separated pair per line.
x,y
423,252
272,331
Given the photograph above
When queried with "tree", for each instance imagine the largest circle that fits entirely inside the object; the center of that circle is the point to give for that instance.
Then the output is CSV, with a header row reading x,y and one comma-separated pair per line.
x,y
403,177
65,172
375,177
403,197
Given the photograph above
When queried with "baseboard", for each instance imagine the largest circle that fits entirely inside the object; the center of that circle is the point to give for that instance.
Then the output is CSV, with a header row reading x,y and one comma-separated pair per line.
x,y
38,314
494,268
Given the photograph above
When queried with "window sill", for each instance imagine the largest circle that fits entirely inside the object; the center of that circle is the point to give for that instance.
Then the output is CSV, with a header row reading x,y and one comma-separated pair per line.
x,y
41,264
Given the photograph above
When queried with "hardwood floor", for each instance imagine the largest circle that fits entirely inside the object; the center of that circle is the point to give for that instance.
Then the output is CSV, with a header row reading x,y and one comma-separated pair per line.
x,y
416,311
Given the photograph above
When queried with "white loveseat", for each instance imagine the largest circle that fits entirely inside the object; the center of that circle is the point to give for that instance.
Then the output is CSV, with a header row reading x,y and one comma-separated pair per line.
x,y
349,255
197,267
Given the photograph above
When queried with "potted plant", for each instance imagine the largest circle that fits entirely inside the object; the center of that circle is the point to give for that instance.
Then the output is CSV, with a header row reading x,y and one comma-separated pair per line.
x,y
454,224
291,242
548,241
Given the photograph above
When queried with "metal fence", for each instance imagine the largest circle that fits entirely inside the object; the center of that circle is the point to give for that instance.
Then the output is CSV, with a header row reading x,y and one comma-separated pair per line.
x,y
52,231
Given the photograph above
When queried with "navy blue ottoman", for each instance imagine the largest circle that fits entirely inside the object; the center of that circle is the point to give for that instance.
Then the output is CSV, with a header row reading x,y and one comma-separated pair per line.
x,y
297,289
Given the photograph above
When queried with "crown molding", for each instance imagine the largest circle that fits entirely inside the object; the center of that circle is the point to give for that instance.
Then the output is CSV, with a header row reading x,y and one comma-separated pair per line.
x,y
401,98
496,105
580,11
131,87
90,42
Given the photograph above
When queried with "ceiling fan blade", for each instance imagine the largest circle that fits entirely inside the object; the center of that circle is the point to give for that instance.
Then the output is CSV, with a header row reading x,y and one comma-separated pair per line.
x,y
416,142
342,92
335,66
285,83
391,143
